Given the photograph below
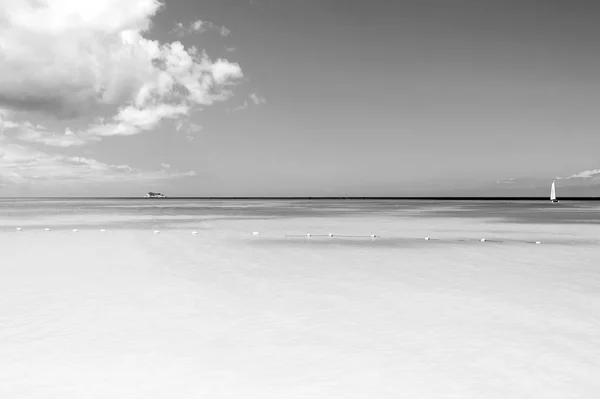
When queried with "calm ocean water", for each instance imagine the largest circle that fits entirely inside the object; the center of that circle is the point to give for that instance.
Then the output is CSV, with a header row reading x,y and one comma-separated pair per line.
x,y
226,314
140,213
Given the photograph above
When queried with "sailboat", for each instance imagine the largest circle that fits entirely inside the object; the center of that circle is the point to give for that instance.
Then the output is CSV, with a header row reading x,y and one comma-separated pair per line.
x,y
553,193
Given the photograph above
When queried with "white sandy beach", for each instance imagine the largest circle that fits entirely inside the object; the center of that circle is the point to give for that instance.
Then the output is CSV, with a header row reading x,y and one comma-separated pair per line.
x,y
224,314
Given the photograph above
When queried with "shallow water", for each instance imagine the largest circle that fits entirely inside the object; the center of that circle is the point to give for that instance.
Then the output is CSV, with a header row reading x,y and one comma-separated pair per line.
x,y
226,314
132,213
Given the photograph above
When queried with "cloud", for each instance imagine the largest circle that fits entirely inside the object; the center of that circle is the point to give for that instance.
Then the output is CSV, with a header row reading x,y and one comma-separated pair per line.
x,y
39,134
588,174
179,29
128,121
224,31
19,164
71,58
256,99
5,122
65,57
132,120
241,107
27,131
199,26
506,181
192,129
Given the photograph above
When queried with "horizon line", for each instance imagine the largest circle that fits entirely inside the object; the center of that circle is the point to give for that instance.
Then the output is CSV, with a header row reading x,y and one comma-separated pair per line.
x,y
443,198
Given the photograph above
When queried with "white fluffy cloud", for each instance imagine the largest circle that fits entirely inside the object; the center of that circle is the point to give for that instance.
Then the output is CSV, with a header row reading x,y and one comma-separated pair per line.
x,y
61,56
65,56
72,58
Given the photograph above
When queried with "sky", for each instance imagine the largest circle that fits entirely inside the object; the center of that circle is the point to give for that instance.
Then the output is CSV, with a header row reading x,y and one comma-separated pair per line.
x,y
299,98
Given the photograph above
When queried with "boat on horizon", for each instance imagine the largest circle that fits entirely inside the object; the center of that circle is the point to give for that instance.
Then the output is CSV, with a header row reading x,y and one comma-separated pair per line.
x,y
553,193
155,195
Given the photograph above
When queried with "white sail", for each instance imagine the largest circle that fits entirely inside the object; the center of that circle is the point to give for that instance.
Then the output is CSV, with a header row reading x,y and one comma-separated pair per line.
x,y
553,192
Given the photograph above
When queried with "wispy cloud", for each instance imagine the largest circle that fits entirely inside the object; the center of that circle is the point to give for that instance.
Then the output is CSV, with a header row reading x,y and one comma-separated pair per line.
x,y
506,181
240,107
224,31
254,99
257,100
541,185
192,129
21,164
7,124
128,121
132,120
199,26
189,128
587,174
40,135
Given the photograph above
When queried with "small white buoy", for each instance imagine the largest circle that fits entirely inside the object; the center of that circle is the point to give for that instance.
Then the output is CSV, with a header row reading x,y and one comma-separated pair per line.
x,y
19,228
482,240
255,233
75,230
156,232
373,235
426,238
538,242
308,235
47,229
195,233
102,230
330,234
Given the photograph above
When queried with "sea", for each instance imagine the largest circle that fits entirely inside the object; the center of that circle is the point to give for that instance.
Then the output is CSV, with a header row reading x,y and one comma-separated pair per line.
x,y
348,299
175,213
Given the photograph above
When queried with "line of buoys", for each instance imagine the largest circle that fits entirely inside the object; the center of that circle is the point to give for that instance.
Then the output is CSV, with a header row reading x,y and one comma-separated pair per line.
x,y
332,235
427,238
